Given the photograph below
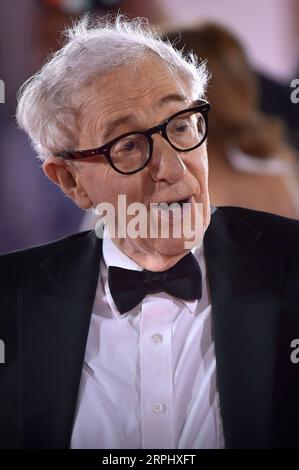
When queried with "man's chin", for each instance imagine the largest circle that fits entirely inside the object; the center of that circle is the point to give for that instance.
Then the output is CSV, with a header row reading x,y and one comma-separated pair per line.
x,y
173,246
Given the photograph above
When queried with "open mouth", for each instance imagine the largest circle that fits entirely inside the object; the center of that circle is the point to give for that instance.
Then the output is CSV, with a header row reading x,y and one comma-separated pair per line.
x,y
168,205
184,201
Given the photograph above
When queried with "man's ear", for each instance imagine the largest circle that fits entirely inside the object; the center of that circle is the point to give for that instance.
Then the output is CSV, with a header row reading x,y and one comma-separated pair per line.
x,y
64,175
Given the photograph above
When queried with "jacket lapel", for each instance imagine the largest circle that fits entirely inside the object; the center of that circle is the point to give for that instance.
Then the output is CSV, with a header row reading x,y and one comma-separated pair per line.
x,y
244,282
54,317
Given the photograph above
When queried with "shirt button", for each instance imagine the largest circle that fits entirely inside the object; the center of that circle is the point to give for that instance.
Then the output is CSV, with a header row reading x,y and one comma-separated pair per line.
x,y
157,338
159,408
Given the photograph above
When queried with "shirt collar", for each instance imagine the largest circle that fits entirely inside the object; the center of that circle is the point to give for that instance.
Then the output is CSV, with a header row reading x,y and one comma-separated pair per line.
x,y
113,256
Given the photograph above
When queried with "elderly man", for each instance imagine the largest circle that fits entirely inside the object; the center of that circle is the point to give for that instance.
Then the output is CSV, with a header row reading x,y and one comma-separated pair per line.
x,y
144,341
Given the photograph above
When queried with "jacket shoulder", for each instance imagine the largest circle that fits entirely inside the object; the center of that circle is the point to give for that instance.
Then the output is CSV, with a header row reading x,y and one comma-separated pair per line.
x,y
14,264
278,232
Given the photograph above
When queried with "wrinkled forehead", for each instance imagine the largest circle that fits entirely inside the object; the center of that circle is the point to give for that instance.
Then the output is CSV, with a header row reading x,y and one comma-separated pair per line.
x,y
132,97
153,71
147,82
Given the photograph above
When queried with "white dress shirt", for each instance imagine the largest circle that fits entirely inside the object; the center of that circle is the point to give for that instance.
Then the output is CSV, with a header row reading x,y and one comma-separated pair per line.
x,y
149,376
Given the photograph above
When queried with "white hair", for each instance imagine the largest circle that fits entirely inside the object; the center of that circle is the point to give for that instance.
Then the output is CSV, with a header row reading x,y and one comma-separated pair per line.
x,y
48,103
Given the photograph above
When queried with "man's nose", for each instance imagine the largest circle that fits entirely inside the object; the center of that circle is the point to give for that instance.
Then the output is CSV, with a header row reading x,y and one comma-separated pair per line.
x,y
166,163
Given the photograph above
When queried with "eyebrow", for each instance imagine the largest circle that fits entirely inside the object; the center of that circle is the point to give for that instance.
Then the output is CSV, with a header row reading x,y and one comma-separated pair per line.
x,y
111,126
172,97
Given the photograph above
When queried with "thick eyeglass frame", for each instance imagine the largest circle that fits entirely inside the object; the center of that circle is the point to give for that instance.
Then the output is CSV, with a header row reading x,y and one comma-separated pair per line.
x,y
203,107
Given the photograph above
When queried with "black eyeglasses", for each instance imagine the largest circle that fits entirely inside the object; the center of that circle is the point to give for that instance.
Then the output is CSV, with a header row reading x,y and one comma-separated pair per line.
x,y
129,153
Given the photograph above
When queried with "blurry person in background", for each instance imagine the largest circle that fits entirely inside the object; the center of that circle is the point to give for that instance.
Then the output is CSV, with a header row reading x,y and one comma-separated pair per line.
x,y
251,163
278,99
26,198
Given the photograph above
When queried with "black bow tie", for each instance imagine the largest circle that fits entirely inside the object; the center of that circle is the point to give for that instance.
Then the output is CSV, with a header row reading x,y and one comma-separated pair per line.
x,y
129,287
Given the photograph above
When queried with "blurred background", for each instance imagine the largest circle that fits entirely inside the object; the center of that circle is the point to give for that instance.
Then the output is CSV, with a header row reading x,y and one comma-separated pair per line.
x,y
252,48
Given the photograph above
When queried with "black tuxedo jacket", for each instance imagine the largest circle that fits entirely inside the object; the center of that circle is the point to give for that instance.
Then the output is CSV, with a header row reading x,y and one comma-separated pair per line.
x,y
46,299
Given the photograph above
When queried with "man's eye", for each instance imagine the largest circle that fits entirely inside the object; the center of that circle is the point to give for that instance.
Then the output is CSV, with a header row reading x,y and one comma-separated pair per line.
x,y
182,127
127,146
